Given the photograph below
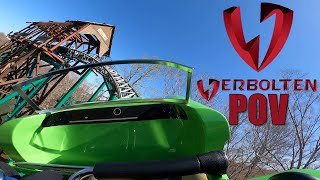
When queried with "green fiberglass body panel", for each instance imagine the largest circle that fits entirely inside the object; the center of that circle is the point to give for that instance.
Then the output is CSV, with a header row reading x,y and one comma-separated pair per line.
x,y
200,130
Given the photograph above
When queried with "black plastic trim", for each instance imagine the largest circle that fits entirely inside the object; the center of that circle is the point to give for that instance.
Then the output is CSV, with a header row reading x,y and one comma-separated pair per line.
x,y
213,163
108,115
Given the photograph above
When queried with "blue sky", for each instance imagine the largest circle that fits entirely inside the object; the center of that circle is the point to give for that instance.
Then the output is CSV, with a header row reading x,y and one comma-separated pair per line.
x,y
187,32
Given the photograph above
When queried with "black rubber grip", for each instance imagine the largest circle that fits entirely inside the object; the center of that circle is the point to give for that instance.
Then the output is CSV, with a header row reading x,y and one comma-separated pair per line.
x,y
214,163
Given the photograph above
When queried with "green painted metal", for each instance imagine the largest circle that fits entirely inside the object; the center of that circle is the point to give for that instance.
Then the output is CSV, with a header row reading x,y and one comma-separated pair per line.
x,y
72,89
223,177
15,94
49,61
29,73
4,55
8,97
314,173
96,93
112,93
22,104
19,100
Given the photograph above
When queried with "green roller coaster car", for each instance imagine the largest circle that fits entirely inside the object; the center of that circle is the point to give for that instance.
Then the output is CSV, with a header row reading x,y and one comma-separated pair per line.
x,y
120,135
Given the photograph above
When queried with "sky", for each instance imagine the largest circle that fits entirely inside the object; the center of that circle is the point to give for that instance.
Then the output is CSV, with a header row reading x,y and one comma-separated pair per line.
x,y
189,32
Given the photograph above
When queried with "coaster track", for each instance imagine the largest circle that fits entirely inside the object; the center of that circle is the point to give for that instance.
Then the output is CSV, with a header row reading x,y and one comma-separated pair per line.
x,y
56,45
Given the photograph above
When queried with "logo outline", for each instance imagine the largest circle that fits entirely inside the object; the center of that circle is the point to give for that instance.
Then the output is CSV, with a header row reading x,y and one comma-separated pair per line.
x,y
249,51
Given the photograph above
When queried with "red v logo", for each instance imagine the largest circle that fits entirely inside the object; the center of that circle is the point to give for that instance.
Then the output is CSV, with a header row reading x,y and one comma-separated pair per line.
x,y
205,94
249,51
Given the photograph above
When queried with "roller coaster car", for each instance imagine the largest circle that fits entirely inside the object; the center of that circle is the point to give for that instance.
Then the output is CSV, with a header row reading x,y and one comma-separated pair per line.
x,y
133,138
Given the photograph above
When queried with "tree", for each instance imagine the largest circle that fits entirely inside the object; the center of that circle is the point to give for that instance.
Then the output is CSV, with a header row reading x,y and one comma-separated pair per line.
x,y
255,150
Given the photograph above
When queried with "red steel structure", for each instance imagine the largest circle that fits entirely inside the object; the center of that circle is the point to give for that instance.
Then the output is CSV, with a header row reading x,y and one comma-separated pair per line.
x,y
45,46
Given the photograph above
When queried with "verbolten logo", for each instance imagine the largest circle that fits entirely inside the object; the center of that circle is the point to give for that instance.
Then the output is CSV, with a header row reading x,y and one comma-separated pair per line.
x,y
258,105
205,94
249,51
